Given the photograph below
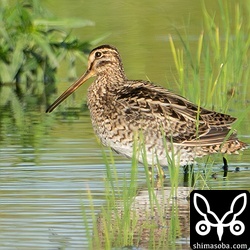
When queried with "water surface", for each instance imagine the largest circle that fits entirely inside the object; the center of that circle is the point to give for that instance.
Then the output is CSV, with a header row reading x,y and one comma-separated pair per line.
x,y
50,163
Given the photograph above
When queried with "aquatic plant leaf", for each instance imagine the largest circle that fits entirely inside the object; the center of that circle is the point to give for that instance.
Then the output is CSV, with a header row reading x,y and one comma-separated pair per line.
x,y
17,58
5,74
5,94
45,45
16,109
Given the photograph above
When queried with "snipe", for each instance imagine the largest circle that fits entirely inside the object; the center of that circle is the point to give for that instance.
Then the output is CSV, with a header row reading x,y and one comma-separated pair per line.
x,y
170,125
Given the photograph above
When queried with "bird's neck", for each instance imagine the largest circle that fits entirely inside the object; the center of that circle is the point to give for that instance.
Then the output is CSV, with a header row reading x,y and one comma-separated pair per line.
x,y
106,85
111,79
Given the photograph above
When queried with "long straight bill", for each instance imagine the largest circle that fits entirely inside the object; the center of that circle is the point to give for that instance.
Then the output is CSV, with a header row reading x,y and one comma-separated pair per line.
x,y
70,90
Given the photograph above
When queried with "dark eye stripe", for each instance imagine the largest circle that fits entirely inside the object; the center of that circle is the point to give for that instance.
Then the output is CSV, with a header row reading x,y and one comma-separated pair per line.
x,y
91,65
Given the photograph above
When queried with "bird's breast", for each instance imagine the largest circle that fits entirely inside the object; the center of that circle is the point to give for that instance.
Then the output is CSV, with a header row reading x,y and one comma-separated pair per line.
x,y
106,114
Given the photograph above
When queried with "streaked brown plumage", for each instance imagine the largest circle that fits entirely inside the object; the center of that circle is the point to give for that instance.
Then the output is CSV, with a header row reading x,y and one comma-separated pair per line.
x,y
121,109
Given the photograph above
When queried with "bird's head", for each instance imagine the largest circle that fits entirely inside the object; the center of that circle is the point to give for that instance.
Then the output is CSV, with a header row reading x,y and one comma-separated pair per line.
x,y
103,60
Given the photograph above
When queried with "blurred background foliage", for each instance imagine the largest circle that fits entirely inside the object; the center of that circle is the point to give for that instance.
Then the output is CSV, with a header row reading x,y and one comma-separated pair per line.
x,y
33,43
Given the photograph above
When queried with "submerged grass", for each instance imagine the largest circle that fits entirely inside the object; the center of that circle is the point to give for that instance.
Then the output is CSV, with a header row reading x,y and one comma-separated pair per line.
x,y
219,70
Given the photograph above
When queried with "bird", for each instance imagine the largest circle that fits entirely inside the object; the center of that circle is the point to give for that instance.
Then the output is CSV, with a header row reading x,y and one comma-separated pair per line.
x,y
166,127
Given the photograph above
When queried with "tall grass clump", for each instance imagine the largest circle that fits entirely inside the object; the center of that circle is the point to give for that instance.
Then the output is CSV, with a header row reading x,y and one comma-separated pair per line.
x,y
115,223
140,215
216,72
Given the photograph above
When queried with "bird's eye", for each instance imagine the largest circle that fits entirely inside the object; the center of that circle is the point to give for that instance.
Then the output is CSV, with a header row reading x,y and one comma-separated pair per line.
x,y
98,54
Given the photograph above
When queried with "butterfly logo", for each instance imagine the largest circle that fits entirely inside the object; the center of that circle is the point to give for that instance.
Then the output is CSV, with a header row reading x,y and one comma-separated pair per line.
x,y
203,227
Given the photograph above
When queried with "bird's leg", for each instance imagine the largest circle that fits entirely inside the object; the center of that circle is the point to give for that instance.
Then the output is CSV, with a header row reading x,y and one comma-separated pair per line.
x,y
188,177
225,167
186,168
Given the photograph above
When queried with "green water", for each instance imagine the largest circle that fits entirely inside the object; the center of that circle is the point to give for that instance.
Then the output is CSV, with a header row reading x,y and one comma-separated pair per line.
x,y
48,164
